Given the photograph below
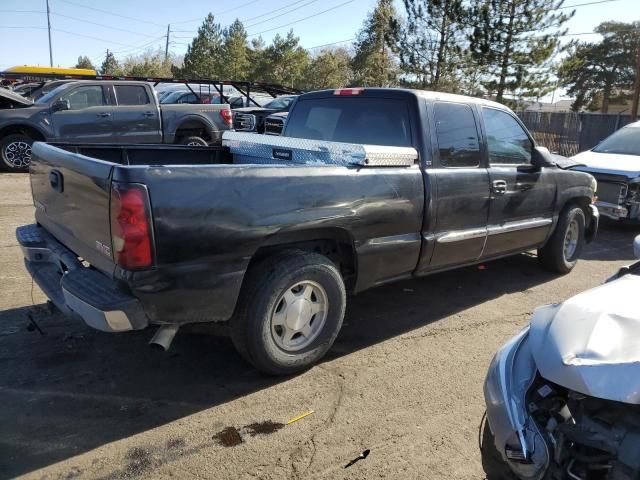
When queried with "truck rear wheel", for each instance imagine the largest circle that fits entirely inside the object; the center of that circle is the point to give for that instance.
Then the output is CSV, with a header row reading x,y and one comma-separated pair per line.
x,y
290,312
563,249
193,141
15,153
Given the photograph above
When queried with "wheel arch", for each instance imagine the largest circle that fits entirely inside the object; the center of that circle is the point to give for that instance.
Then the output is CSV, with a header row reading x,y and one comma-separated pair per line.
x,y
22,129
335,243
194,125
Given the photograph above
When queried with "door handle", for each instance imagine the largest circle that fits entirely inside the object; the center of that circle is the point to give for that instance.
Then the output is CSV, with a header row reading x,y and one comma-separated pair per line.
x,y
148,114
499,187
103,114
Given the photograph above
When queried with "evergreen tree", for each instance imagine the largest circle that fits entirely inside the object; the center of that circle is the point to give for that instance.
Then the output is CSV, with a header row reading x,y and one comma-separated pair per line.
x,y
594,72
430,42
204,57
84,62
256,60
236,52
374,63
149,64
507,45
283,62
110,65
331,68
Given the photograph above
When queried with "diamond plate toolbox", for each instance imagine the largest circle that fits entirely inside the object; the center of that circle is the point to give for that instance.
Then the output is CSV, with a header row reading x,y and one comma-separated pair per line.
x,y
265,149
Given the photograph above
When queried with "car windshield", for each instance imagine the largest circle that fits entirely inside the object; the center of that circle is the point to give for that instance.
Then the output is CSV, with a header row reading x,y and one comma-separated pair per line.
x,y
625,141
53,93
372,121
279,103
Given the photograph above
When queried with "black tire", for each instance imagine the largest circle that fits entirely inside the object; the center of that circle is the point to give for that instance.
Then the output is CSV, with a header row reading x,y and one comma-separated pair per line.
x,y
15,153
262,294
555,255
193,141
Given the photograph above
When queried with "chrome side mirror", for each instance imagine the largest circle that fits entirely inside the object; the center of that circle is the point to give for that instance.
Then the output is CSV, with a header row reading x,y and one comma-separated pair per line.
x,y
636,247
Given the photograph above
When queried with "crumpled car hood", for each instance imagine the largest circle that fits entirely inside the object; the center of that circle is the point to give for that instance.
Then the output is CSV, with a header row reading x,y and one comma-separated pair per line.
x,y
591,342
609,163
14,99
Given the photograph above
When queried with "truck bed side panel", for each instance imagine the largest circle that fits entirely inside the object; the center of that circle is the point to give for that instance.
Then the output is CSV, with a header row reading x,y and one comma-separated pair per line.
x,y
210,220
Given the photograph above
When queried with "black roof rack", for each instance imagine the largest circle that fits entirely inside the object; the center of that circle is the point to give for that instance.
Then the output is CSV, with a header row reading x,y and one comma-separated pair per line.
x,y
246,88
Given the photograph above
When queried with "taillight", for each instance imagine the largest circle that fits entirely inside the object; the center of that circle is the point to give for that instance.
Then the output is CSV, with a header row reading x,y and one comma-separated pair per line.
x,y
227,116
348,91
131,237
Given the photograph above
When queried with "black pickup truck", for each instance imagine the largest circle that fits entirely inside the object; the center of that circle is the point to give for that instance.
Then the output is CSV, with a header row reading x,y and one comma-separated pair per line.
x,y
270,234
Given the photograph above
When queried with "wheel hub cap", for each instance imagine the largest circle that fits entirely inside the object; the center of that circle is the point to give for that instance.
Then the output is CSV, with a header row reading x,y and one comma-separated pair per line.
x,y
18,154
571,239
299,316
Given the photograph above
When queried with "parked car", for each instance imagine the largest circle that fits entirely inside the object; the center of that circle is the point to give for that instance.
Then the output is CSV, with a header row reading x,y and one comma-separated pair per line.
x,y
191,98
103,112
274,124
249,119
365,187
563,395
45,88
615,163
25,89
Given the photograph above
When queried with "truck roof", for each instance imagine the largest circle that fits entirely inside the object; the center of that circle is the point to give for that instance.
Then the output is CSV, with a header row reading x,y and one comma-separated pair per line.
x,y
402,92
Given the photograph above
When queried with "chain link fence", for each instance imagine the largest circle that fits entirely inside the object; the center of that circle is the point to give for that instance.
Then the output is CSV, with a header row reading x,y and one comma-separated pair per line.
x,y
568,133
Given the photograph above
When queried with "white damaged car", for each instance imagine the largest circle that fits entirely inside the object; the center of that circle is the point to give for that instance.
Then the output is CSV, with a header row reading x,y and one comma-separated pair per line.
x,y
563,396
615,163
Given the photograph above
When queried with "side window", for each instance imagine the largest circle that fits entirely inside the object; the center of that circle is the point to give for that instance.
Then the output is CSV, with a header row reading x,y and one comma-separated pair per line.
x,y
457,135
190,98
507,141
85,97
132,95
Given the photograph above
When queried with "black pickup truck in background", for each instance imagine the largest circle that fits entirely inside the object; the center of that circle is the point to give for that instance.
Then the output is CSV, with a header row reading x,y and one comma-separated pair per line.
x,y
270,234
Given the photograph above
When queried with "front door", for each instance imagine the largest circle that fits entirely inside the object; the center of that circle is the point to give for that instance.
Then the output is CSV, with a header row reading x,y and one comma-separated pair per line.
x,y
136,117
460,186
89,118
522,196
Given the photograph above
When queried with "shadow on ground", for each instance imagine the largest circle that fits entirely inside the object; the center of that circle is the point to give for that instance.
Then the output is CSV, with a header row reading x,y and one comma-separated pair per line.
x,y
73,389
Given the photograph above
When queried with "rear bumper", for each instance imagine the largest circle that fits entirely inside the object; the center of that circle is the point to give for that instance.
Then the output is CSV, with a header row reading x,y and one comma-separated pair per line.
x,y
75,289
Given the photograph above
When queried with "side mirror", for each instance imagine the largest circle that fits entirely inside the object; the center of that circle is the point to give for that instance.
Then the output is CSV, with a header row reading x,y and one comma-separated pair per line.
x,y
636,247
541,157
61,105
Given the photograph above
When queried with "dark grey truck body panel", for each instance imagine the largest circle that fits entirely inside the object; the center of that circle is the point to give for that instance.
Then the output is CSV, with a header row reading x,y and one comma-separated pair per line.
x,y
211,220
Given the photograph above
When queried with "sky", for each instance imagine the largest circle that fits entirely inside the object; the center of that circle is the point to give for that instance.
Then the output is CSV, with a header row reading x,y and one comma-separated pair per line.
x,y
129,27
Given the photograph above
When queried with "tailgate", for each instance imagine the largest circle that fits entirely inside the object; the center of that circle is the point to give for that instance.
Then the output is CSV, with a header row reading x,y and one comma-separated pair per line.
x,y
71,195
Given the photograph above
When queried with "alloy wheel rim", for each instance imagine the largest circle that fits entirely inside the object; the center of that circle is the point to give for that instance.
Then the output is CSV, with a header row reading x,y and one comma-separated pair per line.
x,y
299,316
18,154
571,239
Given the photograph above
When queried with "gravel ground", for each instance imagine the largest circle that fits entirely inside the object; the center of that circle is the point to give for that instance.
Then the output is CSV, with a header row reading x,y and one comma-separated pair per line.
x,y
404,380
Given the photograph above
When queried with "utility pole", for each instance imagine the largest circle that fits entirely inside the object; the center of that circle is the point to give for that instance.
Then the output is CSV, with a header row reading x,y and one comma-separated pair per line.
x,y
636,86
166,46
49,29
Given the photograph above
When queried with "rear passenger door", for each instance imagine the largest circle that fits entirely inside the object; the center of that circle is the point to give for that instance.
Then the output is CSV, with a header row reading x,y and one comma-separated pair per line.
x,y
136,117
460,193
522,196
89,118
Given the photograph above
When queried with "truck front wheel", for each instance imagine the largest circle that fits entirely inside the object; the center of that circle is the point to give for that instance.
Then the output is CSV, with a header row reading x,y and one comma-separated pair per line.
x,y
290,312
15,153
563,249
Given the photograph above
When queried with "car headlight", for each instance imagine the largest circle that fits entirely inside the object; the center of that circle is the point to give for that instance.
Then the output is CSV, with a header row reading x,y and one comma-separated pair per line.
x,y
594,187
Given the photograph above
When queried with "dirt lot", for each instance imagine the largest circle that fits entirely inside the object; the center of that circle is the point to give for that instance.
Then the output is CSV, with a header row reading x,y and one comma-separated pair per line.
x,y
403,380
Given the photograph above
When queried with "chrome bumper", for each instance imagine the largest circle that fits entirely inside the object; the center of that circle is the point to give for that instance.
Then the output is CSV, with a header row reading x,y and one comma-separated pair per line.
x,y
75,289
611,210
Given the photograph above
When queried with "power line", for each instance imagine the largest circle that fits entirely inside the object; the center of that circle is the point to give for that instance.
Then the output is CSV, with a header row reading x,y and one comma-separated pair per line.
x,y
301,19
99,24
281,14
87,36
214,14
111,13
329,44
272,11
585,4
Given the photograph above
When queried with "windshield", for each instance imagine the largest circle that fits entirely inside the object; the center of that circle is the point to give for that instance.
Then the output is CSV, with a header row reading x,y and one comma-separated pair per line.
x,y
53,93
625,141
371,121
279,103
